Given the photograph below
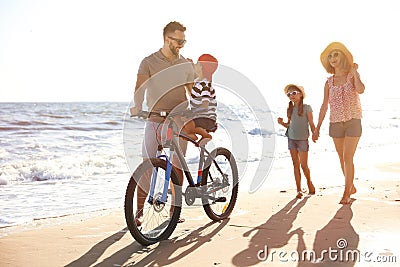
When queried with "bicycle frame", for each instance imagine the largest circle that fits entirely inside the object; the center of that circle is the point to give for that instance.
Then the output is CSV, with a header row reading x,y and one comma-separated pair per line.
x,y
158,212
171,143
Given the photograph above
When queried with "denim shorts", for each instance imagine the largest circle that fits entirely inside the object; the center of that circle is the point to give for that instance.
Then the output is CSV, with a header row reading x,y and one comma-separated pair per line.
x,y
299,145
351,128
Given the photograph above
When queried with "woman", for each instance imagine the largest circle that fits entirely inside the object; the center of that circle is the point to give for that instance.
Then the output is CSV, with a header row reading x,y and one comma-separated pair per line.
x,y
341,92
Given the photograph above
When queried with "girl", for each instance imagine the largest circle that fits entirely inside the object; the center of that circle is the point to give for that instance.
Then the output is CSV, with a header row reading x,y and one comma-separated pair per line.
x,y
299,119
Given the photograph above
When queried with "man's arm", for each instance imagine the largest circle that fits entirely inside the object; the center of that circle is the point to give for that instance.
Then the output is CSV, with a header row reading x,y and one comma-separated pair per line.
x,y
138,94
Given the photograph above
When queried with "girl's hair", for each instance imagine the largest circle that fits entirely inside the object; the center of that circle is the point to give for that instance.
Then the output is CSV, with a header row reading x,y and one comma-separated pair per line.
x,y
291,106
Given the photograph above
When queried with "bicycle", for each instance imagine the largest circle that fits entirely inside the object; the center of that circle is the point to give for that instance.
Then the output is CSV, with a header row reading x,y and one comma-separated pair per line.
x,y
216,186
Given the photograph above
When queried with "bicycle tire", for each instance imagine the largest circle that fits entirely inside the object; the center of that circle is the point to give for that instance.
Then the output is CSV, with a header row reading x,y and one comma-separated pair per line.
x,y
217,211
156,224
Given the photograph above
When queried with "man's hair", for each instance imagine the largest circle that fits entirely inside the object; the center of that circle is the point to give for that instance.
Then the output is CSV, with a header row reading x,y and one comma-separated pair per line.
x,y
172,27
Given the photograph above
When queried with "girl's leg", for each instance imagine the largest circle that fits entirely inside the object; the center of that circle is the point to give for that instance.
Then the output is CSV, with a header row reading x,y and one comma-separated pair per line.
x,y
306,170
296,168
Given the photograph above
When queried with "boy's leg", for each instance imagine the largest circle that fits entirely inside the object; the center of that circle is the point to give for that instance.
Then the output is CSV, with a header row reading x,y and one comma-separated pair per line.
x,y
190,129
204,134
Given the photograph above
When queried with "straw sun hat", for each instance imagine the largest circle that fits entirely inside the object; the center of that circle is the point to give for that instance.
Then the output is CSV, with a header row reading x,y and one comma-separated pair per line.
x,y
328,50
298,87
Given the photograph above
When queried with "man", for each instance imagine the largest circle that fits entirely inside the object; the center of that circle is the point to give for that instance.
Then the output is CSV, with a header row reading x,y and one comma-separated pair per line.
x,y
165,76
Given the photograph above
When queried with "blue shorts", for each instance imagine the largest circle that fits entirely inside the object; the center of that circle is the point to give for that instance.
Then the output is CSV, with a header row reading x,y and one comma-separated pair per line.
x,y
299,145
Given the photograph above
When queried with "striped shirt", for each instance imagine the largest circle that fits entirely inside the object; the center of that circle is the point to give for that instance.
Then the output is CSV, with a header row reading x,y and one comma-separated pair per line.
x,y
202,100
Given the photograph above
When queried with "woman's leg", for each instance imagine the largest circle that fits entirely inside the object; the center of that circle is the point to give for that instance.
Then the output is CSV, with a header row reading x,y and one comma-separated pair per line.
x,y
339,145
350,147
346,148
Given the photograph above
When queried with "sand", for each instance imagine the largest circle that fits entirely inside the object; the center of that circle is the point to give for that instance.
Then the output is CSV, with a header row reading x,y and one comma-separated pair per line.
x,y
269,218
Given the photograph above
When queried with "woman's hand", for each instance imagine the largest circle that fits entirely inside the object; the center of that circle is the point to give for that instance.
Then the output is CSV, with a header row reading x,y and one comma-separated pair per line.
x,y
354,71
358,85
315,135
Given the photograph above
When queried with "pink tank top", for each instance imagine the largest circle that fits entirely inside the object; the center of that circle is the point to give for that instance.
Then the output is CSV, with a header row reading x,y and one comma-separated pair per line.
x,y
344,101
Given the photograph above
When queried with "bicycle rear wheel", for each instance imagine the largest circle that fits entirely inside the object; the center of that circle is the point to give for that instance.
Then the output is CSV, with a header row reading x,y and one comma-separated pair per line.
x,y
156,220
220,184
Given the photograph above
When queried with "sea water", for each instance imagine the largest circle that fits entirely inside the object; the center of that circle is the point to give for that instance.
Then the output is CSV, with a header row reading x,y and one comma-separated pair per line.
x,y
66,158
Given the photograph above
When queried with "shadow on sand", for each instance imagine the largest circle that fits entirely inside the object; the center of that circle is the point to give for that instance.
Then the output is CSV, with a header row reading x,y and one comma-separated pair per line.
x,y
336,243
97,250
160,255
274,233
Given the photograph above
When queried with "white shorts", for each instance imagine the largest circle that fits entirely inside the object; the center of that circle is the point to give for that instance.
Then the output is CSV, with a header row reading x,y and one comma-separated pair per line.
x,y
154,133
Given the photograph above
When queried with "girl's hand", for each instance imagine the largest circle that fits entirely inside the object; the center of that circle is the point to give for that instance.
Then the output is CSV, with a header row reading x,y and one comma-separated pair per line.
x,y
280,121
315,135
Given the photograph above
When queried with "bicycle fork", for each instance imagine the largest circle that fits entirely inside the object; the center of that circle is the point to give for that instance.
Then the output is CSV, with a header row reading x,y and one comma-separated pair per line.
x,y
154,178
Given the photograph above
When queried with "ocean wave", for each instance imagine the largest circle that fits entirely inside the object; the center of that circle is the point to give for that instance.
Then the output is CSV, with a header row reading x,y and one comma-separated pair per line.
x,y
28,123
261,132
57,116
47,127
85,128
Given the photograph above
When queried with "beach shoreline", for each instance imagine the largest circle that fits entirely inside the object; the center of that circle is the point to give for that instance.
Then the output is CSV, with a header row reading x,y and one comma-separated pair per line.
x,y
270,217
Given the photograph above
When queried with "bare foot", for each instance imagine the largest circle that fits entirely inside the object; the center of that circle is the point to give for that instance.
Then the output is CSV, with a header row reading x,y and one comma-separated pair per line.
x,y
353,190
299,195
345,200
139,217
204,141
311,188
192,135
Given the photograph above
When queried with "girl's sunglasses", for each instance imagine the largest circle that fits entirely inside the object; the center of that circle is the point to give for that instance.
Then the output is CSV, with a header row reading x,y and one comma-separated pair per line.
x,y
292,93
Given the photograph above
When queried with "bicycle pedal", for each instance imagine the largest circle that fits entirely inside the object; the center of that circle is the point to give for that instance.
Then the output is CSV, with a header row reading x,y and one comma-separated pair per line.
x,y
220,199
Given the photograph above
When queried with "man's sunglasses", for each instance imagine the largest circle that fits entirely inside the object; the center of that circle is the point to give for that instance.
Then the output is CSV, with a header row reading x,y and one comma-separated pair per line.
x,y
179,41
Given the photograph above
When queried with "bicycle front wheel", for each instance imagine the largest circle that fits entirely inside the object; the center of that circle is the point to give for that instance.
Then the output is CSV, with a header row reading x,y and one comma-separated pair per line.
x,y
220,184
149,218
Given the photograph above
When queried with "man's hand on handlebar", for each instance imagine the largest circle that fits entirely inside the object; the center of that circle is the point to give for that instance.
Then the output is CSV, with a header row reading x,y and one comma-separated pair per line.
x,y
135,111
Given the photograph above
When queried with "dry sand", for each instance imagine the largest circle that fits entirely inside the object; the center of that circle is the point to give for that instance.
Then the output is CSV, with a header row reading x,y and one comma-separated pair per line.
x,y
270,217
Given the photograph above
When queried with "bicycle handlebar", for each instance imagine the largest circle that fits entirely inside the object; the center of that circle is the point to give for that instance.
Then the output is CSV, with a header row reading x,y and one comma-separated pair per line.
x,y
163,114
142,114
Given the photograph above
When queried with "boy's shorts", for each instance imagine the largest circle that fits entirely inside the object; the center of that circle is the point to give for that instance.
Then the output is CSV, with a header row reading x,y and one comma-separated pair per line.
x,y
299,145
206,123
351,128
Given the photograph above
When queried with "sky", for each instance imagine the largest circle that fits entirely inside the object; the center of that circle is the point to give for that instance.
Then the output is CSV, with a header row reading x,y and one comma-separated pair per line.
x,y
90,50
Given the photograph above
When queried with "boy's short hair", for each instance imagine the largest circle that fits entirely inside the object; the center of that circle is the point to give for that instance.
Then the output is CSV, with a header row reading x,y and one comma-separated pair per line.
x,y
172,27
